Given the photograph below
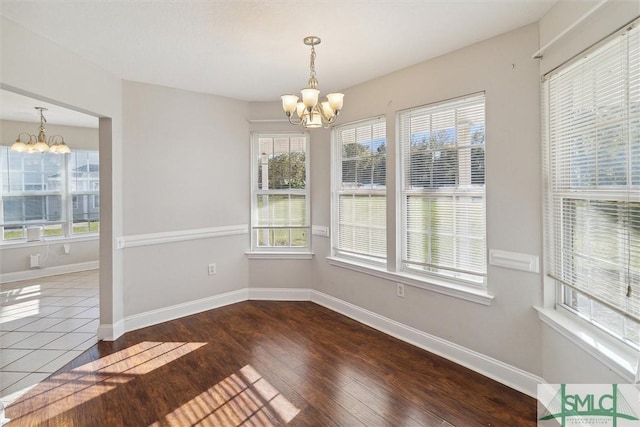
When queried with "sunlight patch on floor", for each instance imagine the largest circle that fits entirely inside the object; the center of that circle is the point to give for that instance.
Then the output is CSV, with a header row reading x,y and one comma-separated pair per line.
x,y
66,390
243,398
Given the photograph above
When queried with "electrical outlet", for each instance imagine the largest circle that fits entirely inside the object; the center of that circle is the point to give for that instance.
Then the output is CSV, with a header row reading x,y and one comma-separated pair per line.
x,y
400,290
212,269
34,260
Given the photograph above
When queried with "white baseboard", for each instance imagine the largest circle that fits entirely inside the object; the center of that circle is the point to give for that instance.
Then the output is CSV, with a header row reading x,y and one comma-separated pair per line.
x,y
508,375
279,294
111,332
154,317
48,271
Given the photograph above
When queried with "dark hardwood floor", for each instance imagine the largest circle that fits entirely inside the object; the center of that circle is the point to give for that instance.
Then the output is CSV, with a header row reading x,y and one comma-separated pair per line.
x,y
264,363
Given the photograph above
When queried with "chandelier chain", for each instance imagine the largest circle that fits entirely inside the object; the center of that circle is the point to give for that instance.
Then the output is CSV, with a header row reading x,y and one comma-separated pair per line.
x,y
312,65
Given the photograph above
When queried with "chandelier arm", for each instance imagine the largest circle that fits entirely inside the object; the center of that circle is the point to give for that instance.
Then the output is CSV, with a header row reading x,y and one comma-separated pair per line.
x,y
53,139
329,121
293,122
31,137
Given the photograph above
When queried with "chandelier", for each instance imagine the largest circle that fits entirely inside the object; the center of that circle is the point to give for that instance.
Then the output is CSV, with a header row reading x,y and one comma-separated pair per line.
x,y
40,143
311,113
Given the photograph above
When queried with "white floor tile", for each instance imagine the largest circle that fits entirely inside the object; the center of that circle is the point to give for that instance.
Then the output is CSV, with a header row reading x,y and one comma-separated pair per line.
x,y
68,312
10,355
67,300
60,361
77,292
91,313
9,378
11,338
52,300
68,341
17,389
40,325
88,343
37,340
12,325
59,313
89,302
91,327
34,361
68,325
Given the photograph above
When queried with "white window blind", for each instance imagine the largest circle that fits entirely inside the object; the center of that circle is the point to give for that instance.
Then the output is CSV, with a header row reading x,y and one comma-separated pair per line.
x,y
442,148
280,201
592,169
360,181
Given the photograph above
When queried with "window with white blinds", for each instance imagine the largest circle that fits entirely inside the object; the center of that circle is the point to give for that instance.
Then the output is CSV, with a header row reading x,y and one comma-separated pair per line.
x,y
360,182
442,149
280,200
591,129
60,193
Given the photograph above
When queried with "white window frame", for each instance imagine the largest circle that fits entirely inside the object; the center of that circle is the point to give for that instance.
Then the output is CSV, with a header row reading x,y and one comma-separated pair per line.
x,y
477,281
66,220
590,327
338,191
292,252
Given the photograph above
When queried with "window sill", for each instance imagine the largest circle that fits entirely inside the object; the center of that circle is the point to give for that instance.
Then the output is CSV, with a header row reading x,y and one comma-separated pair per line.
x,y
48,241
616,355
430,284
279,255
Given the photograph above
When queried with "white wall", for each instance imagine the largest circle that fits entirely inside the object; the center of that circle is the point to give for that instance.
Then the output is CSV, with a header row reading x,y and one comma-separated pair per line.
x,y
564,361
186,166
67,80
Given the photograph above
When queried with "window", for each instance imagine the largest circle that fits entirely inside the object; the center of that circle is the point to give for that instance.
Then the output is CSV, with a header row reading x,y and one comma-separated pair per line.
x,y
592,170
40,189
442,153
85,187
360,179
280,199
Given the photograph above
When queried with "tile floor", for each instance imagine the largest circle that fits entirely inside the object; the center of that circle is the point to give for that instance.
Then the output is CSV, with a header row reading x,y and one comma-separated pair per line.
x,y
44,324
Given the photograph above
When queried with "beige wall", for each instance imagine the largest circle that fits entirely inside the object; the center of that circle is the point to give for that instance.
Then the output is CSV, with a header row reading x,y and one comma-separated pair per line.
x,y
186,166
150,185
15,258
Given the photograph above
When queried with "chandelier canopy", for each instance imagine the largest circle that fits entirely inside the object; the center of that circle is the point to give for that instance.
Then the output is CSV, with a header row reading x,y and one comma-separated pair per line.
x,y
40,143
310,112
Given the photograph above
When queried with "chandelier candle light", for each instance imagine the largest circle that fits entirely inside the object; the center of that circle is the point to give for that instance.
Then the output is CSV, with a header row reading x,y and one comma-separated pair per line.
x,y
310,112
40,143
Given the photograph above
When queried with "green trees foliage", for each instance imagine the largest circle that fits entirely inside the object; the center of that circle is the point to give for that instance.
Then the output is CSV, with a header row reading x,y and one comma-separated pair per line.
x,y
286,170
363,165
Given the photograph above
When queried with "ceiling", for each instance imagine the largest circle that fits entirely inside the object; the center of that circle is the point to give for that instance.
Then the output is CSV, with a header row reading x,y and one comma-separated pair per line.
x,y
252,50
22,108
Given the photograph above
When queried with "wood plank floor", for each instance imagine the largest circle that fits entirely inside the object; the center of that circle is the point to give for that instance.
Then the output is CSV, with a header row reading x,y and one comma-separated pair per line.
x,y
264,363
